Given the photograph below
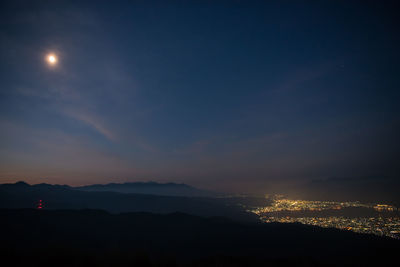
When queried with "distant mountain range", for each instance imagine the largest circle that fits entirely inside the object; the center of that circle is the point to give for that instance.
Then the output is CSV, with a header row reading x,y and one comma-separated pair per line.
x,y
152,188
22,195
149,188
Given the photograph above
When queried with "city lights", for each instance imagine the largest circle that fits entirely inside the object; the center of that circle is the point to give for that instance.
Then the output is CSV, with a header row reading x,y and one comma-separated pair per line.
x,y
281,208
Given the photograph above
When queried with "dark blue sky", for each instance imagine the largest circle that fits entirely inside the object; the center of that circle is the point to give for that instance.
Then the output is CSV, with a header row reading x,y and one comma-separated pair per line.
x,y
224,95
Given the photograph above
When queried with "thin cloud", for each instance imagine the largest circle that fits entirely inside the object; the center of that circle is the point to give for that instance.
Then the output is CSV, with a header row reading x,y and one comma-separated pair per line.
x,y
92,121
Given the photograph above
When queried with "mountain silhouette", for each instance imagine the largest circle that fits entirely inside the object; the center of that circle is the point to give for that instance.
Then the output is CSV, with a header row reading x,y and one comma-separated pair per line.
x,y
152,188
22,195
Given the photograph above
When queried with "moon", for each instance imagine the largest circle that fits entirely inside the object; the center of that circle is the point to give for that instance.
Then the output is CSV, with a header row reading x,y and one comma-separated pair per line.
x,y
51,59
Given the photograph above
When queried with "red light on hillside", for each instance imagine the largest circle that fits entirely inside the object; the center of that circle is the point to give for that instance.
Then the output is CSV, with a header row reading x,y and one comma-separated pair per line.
x,y
40,205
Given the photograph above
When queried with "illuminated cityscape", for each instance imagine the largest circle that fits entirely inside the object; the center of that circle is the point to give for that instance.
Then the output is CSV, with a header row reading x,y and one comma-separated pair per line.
x,y
302,205
385,223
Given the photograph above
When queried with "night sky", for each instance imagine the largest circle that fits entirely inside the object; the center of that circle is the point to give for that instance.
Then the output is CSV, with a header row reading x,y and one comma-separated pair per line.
x,y
234,96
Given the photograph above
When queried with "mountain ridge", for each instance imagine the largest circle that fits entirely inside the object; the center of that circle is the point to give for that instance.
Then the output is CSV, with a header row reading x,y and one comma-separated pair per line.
x,y
23,195
151,187
156,188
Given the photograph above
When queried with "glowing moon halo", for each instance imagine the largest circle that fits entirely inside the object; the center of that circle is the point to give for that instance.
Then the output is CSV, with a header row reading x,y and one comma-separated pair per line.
x,y
51,59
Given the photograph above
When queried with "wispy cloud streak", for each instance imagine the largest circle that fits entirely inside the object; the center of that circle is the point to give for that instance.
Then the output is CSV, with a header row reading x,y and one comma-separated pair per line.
x,y
92,121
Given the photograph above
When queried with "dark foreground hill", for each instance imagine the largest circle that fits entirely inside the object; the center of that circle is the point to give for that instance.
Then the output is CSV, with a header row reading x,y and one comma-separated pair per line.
x,y
96,238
